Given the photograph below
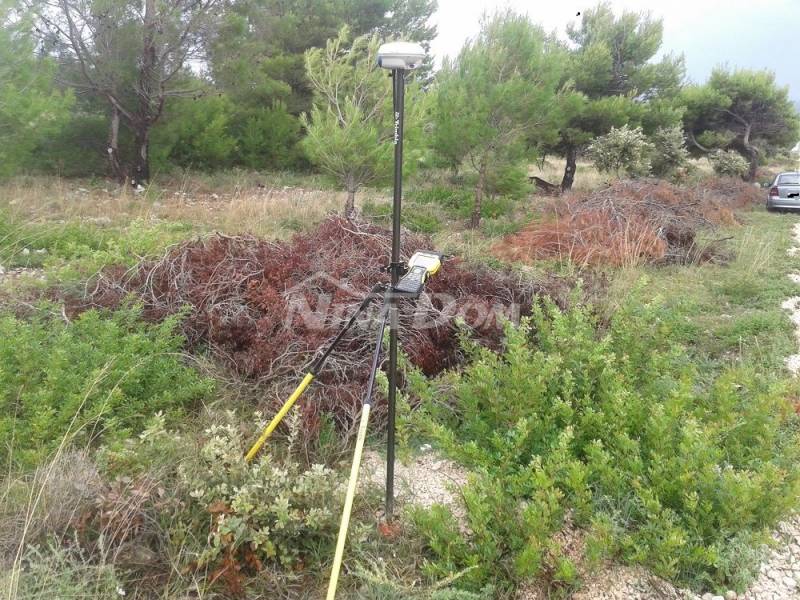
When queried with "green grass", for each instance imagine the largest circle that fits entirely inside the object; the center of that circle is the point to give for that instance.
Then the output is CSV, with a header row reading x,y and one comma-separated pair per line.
x,y
731,312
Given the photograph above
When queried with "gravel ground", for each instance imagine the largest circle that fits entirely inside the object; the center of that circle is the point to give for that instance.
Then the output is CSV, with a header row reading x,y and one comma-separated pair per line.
x,y
793,305
426,480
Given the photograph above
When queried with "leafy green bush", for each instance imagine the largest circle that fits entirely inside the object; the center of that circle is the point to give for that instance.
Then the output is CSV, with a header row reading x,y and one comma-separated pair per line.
x,y
728,163
618,431
445,196
195,133
271,511
98,377
669,151
622,151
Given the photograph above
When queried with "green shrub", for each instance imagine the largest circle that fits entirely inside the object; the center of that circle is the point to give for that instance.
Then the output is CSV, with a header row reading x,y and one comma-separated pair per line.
x,y
452,198
618,430
99,377
622,151
728,163
195,132
669,151
78,149
267,138
273,510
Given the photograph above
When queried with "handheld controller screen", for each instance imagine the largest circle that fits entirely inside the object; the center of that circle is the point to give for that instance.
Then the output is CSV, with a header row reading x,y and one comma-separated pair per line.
x,y
420,266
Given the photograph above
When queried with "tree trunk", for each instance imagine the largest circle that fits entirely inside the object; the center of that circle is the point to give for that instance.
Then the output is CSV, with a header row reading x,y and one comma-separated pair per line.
x,y
150,97
475,221
752,154
350,204
141,172
569,169
113,147
753,169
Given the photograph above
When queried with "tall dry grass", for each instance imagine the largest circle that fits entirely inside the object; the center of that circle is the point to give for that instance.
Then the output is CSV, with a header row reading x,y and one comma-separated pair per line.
x,y
272,210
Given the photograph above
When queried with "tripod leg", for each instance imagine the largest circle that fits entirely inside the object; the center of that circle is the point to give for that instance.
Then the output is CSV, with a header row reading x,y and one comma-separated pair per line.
x,y
315,368
251,454
351,486
348,503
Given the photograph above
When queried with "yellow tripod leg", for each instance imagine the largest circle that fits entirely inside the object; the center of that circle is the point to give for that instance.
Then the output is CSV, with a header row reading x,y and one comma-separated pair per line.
x,y
277,418
348,503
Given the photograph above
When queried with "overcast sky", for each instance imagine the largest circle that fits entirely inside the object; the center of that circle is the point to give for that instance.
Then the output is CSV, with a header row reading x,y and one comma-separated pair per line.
x,y
742,33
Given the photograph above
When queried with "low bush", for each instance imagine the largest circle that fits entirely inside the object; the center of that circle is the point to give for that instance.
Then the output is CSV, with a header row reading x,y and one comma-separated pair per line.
x,y
622,151
98,377
670,154
270,512
618,431
454,198
728,163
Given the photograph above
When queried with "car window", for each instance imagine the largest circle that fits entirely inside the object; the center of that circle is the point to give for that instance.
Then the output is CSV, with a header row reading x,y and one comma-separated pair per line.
x,y
789,180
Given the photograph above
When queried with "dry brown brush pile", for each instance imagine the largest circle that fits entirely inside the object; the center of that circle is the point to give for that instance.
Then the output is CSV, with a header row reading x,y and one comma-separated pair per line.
x,y
632,222
264,308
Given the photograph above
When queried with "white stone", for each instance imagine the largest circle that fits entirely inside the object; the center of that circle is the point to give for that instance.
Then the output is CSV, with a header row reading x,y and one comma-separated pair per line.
x,y
731,595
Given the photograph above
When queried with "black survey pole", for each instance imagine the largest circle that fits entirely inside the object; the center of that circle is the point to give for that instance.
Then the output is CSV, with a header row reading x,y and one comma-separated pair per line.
x,y
396,269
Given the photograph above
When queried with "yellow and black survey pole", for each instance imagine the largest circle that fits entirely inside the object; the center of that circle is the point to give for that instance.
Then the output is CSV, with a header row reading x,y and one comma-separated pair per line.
x,y
357,453
407,281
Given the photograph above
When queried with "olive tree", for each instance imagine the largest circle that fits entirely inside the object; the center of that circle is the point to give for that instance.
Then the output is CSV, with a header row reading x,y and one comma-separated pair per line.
x,y
623,151
497,95
670,154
